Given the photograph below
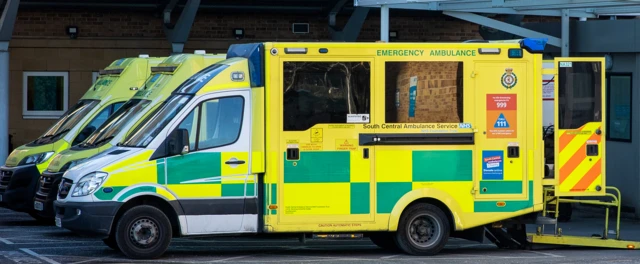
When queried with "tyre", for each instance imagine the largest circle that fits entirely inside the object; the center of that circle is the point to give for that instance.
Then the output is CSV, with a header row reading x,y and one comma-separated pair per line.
x,y
41,219
423,230
111,243
384,240
143,232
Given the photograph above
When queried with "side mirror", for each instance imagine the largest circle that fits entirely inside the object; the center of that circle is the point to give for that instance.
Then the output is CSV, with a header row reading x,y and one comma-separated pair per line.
x,y
178,142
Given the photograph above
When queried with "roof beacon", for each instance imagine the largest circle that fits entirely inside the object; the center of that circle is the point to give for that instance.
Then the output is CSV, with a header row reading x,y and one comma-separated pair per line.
x,y
533,45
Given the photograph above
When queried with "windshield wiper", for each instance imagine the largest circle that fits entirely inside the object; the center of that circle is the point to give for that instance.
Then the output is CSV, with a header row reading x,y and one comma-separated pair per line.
x,y
60,133
97,143
52,136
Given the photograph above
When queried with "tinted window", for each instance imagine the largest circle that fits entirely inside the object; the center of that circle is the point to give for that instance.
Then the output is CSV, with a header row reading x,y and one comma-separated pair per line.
x,y
579,94
221,122
324,93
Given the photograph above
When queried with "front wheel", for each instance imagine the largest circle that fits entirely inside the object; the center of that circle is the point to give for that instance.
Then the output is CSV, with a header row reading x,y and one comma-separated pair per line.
x,y
143,232
423,230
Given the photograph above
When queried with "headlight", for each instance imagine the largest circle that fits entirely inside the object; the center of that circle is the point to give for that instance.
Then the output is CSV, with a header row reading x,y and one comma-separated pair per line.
x,y
72,164
36,159
89,183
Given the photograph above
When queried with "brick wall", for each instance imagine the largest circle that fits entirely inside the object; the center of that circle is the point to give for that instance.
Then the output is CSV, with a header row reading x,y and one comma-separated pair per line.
x,y
41,44
130,24
437,92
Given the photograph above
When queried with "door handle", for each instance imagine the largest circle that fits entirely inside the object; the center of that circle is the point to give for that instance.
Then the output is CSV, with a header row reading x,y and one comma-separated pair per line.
x,y
513,152
365,153
234,162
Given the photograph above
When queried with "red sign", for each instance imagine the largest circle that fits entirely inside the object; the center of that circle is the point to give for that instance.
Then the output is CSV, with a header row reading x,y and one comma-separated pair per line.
x,y
502,116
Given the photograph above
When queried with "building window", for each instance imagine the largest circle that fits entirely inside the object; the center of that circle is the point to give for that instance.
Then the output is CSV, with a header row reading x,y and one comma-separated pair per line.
x,y
325,93
619,106
44,94
423,92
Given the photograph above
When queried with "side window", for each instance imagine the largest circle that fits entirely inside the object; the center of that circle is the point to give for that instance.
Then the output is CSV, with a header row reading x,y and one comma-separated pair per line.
x,y
619,107
221,122
579,94
424,92
190,123
324,93
96,122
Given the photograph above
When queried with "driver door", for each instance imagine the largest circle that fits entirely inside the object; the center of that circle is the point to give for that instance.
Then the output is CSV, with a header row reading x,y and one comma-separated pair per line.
x,y
211,179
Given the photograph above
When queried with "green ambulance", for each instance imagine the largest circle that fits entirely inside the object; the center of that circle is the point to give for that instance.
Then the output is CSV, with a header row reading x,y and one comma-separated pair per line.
x,y
116,84
166,77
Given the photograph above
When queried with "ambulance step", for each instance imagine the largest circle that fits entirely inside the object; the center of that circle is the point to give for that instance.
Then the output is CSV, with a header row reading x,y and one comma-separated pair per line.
x,y
581,241
543,220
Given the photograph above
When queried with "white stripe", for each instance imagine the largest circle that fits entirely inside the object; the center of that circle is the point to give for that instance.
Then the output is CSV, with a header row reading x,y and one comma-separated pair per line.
x,y
48,260
6,241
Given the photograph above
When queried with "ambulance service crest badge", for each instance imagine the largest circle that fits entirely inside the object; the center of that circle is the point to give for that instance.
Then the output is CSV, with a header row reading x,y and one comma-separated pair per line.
x,y
509,79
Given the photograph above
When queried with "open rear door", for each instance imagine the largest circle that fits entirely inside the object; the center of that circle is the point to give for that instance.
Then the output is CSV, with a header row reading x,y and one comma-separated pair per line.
x,y
579,127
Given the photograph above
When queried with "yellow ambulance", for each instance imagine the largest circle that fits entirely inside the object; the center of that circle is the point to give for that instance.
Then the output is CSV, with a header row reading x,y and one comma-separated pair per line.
x,y
406,143
114,86
165,77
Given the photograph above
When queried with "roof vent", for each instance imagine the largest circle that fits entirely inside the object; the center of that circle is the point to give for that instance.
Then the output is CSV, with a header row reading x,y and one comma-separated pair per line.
x,y
144,56
200,52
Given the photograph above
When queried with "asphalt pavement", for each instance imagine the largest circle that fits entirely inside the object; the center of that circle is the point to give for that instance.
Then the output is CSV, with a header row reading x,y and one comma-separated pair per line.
x,y
22,240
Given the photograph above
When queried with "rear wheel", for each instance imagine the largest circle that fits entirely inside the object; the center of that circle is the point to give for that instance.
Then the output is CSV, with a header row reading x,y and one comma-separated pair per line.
x,y
423,230
143,232
384,240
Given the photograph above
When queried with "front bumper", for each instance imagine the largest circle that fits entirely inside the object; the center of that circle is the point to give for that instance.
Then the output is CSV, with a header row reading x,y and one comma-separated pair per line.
x,y
86,218
18,187
46,193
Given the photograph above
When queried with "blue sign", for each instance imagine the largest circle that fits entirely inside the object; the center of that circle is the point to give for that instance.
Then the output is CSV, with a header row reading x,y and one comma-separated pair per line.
x,y
492,165
413,93
501,122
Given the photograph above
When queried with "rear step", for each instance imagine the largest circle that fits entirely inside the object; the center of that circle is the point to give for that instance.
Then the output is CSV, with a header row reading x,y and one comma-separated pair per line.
x,y
552,208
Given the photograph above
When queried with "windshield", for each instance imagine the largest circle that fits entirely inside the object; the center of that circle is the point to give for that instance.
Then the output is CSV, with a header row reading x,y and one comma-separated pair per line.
x,y
144,133
67,121
115,123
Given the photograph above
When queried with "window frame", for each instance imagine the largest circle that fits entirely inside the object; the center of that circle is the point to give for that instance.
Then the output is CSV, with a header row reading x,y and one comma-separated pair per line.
x,y
608,105
198,107
35,114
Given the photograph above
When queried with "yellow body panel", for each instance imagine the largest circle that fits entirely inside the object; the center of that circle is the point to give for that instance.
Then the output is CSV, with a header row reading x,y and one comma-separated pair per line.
x,y
374,191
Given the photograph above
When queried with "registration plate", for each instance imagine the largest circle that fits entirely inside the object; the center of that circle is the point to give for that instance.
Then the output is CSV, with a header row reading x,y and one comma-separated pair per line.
x,y
38,205
58,221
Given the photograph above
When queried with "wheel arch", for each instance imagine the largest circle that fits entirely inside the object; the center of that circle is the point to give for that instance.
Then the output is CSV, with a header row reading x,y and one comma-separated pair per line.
x,y
432,196
170,208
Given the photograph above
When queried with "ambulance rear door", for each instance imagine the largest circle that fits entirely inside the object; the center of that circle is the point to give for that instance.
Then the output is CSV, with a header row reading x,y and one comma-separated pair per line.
x,y
579,134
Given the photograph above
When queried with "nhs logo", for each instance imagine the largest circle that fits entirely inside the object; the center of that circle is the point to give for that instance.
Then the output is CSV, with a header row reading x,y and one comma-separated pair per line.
x,y
464,125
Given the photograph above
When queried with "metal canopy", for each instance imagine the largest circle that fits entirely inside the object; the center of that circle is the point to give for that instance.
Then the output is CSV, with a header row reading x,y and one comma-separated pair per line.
x,y
467,9
575,8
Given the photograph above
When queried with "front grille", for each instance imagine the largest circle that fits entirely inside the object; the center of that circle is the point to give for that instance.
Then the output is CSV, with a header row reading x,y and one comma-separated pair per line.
x,y
5,179
65,188
45,184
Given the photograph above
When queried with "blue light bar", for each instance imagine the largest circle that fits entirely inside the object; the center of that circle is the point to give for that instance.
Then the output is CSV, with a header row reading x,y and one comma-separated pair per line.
x,y
254,53
533,45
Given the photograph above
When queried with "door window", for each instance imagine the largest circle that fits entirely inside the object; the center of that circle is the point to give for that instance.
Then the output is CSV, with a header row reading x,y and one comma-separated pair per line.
x,y
221,122
217,121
